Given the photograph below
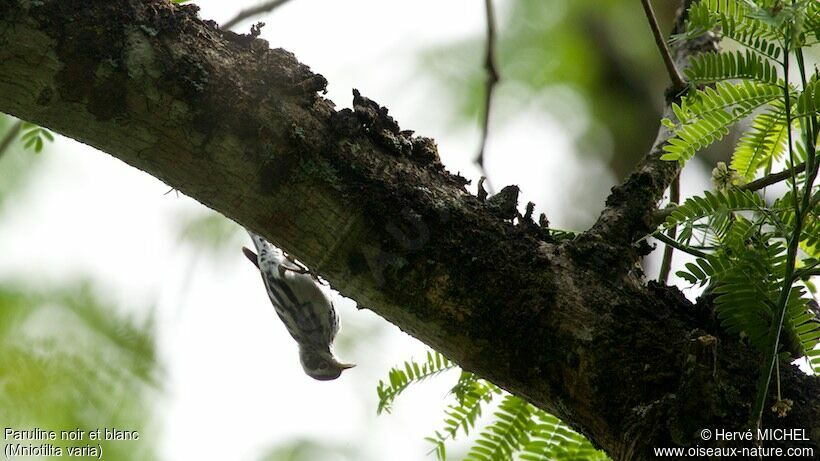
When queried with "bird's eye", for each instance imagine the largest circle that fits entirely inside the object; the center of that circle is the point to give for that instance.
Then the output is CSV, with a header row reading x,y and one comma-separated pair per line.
x,y
323,366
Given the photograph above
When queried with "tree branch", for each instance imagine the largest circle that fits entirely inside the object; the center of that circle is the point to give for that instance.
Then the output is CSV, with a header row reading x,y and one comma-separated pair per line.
x,y
666,262
630,208
773,178
660,216
265,7
678,83
242,128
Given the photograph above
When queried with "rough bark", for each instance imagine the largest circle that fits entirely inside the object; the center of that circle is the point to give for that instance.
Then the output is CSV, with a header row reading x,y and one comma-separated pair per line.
x,y
570,326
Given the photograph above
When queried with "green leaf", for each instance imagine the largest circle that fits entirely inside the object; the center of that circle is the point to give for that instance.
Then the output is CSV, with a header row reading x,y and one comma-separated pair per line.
x,y
705,116
507,434
763,143
550,439
733,20
714,67
33,136
399,379
713,203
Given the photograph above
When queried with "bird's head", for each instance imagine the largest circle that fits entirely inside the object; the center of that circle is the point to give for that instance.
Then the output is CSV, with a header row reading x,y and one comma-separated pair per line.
x,y
321,365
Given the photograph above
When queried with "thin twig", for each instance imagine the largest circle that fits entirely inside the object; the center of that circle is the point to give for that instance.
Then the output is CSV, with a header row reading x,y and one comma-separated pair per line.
x,y
632,205
492,80
773,178
9,137
766,181
253,11
666,263
678,83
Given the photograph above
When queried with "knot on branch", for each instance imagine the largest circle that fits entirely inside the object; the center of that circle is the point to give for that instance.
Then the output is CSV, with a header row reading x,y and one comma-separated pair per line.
x,y
703,352
372,115
504,205
370,119
540,229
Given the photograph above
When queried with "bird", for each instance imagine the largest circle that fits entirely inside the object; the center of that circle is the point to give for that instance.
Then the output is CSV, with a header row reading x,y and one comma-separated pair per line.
x,y
303,306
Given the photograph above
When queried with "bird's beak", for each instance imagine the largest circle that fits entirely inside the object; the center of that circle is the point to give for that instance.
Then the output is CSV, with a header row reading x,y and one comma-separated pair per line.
x,y
345,366
251,256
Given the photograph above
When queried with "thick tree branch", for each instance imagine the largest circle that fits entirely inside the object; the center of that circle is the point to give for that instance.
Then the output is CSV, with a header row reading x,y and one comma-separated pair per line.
x,y
242,128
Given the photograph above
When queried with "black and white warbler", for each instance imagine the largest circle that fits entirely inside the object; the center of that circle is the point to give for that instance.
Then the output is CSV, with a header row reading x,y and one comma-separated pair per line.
x,y
304,307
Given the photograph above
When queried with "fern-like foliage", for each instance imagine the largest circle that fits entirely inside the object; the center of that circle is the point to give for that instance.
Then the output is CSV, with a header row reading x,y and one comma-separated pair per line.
x,y
747,272
732,19
95,366
811,23
748,252
550,439
747,292
747,265
517,428
810,236
754,36
762,144
714,67
706,16
400,378
507,434
34,137
705,116
810,231
471,395
808,102
695,208
804,326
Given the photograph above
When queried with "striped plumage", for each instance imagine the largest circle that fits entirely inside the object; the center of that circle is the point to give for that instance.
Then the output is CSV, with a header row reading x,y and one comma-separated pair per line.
x,y
302,305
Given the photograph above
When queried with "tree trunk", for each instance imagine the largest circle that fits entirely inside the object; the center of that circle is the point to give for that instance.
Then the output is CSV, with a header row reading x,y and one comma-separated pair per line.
x,y
568,325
